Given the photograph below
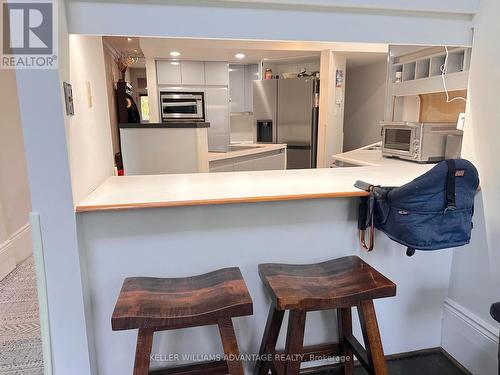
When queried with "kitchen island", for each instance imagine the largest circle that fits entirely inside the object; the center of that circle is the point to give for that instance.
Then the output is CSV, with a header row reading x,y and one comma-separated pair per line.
x,y
180,225
164,147
248,157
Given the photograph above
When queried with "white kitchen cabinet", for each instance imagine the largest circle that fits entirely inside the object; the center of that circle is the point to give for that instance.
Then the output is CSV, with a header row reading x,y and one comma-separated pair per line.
x,y
251,74
261,163
216,73
168,73
237,88
192,72
228,167
217,114
241,79
267,161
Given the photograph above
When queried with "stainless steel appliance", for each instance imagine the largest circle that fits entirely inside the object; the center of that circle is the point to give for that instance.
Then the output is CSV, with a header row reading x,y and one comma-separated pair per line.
x,y
286,111
182,106
420,142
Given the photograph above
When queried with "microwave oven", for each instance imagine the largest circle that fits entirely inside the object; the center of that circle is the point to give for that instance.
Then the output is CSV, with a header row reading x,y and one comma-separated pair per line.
x,y
420,142
182,106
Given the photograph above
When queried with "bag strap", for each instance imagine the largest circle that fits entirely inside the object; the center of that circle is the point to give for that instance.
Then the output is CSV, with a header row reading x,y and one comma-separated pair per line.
x,y
450,186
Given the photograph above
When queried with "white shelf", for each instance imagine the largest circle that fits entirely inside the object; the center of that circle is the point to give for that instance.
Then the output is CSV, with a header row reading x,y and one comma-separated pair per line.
x,y
423,74
397,68
454,81
430,66
409,71
423,68
436,63
455,62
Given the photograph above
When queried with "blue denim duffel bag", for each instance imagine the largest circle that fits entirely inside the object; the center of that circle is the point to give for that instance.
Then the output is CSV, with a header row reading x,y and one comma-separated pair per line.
x,y
434,211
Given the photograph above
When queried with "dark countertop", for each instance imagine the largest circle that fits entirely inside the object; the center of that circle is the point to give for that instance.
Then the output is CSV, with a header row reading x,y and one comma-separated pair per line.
x,y
165,125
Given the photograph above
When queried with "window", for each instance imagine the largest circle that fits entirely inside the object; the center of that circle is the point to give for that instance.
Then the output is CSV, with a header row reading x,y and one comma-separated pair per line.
x,y
144,107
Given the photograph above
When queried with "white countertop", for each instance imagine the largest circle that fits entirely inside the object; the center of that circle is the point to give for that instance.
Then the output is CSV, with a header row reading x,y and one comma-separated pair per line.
x,y
255,149
129,192
367,156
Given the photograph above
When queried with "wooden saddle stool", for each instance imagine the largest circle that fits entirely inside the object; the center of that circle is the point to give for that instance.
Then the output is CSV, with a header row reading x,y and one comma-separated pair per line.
x,y
156,304
336,284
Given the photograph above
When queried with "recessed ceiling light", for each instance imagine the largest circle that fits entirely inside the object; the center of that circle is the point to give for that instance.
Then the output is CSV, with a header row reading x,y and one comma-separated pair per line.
x,y
129,39
174,62
240,56
175,54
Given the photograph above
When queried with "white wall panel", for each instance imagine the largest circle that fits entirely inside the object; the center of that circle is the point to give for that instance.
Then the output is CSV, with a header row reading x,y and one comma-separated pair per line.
x,y
277,22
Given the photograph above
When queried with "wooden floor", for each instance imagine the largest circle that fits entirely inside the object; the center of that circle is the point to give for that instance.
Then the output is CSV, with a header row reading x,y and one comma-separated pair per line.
x,y
430,363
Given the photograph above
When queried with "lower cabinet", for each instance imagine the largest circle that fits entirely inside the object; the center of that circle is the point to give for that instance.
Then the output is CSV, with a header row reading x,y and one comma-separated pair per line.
x,y
221,168
263,163
273,160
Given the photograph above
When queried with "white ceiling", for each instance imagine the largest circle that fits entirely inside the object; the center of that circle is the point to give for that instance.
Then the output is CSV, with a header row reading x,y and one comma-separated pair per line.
x,y
224,50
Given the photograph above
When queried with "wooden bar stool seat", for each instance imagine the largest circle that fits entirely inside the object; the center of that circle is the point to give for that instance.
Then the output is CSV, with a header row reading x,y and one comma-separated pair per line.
x,y
159,304
336,284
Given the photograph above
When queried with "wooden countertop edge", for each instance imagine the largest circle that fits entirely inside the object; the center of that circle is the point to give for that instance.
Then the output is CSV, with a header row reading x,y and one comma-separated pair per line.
x,y
204,202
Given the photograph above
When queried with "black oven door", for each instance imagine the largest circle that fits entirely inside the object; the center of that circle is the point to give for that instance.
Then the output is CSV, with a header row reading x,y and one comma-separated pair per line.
x,y
398,140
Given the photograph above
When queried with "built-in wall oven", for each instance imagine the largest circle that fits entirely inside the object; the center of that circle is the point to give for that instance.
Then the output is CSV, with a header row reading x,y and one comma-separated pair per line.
x,y
182,106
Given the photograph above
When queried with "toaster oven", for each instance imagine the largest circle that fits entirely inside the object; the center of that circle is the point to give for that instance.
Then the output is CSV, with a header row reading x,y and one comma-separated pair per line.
x,y
420,142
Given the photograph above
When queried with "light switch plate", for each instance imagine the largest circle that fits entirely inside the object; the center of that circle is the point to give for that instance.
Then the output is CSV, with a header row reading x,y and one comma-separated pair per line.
x,y
68,98
89,94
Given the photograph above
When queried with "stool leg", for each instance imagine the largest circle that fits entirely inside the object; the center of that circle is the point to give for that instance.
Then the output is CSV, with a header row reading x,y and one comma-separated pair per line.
x,y
230,346
143,351
269,339
294,341
371,335
344,318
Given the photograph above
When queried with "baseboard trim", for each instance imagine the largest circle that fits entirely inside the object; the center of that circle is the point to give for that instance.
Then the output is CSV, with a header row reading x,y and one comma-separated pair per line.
x,y
15,250
328,368
469,339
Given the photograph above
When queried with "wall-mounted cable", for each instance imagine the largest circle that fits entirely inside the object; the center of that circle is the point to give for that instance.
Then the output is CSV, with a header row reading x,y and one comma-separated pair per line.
x,y
443,73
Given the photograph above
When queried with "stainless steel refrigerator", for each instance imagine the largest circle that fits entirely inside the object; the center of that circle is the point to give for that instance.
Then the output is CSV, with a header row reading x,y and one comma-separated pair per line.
x,y
286,111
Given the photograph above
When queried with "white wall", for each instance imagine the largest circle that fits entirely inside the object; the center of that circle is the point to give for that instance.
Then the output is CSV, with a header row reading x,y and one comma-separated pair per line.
x,y
475,276
331,113
365,95
15,204
432,22
89,135
112,76
44,124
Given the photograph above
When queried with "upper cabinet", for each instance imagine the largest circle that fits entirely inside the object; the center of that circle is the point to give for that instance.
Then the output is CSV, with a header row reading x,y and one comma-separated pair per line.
x,y
168,73
241,79
251,74
192,73
237,88
216,73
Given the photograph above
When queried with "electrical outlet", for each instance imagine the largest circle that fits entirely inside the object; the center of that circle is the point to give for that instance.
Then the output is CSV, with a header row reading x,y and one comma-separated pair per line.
x,y
461,121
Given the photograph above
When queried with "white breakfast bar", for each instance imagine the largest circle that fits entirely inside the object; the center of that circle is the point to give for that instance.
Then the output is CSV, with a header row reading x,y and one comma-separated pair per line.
x,y
183,225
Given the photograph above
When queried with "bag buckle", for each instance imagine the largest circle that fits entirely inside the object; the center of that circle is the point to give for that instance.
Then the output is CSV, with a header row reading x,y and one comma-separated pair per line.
x,y
362,237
